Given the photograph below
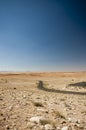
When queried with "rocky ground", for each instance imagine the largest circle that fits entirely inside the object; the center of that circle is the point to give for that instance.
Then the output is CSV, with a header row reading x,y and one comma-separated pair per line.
x,y
43,101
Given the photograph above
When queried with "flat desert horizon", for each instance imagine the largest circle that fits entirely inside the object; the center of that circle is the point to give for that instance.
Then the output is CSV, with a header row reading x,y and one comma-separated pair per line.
x,y
43,100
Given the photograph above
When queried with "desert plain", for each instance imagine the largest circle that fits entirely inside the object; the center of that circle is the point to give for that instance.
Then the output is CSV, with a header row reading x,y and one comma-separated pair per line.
x,y
43,101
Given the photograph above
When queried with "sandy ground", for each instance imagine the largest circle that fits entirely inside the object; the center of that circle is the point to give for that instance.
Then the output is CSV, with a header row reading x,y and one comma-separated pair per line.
x,y
43,101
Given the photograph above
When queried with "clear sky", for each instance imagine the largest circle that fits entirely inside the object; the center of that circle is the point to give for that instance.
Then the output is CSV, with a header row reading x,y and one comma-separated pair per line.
x,y
42,35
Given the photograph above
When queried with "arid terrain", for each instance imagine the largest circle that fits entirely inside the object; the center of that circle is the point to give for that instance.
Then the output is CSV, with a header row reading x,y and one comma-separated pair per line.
x,y
43,101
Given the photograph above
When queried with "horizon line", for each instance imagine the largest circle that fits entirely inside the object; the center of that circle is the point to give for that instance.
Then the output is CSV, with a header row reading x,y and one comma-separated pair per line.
x,y
42,71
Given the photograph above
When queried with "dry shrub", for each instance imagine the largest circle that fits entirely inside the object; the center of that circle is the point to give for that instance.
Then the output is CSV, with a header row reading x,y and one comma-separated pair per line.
x,y
37,104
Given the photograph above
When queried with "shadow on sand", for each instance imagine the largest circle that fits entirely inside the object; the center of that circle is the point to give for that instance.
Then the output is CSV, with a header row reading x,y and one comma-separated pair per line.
x,y
41,87
79,84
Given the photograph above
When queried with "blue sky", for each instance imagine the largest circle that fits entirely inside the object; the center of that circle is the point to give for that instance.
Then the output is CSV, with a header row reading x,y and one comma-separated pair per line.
x,y
42,35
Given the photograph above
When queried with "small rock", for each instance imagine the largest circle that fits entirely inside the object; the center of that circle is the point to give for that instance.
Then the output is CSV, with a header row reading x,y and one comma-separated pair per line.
x,y
81,126
40,119
58,128
10,108
36,119
70,119
42,110
7,127
24,96
65,128
63,122
48,127
73,120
